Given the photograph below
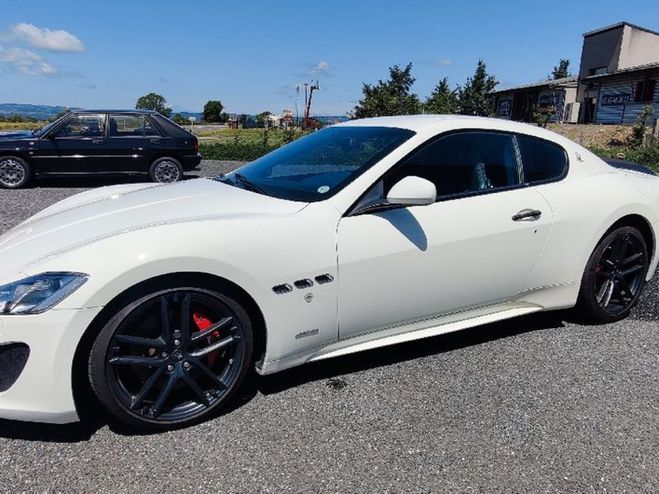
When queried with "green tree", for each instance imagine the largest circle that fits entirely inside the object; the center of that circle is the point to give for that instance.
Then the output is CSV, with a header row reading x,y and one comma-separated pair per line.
x,y
442,100
155,102
475,96
213,111
391,97
262,117
180,119
562,70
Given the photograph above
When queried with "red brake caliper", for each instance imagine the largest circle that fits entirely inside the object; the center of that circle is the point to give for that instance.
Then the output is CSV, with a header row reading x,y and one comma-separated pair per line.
x,y
204,323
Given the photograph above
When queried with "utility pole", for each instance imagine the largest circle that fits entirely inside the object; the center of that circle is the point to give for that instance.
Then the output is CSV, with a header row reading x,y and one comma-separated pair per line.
x,y
309,88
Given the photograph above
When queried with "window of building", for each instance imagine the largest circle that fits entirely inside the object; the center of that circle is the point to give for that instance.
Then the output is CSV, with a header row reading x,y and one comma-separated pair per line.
x,y
542,160
598,70
463,163
645,90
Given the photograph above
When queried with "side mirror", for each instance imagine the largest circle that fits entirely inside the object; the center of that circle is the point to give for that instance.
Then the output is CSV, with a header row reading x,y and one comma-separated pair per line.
x,y
412,191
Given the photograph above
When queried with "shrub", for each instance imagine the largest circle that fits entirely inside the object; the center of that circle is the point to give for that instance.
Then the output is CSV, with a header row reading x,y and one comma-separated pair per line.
x,y
235,150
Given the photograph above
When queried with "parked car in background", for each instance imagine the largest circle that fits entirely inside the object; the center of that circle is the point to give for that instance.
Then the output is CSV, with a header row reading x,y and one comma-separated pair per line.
x,y
99,142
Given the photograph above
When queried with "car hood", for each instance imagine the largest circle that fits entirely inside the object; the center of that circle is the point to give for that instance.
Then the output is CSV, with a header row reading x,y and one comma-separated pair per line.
x,y
16,136
110,211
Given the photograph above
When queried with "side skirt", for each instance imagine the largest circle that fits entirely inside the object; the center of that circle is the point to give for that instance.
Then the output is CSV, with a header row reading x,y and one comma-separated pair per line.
x,y
411,331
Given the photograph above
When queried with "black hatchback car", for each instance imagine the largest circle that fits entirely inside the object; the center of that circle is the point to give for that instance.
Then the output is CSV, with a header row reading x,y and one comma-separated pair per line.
x,y
99,141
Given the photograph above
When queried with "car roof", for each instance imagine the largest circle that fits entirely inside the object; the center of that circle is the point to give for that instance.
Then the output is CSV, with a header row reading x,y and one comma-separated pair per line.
x,y
147,112
442,123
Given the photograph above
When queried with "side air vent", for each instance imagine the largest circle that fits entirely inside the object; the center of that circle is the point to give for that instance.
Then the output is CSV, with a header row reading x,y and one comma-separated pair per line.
x,y
13,358
324,278
305,283
281,289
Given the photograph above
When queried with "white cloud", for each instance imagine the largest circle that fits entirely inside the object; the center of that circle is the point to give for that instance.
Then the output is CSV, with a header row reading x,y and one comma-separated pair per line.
x,y
26,61
18,55
41,68
444,62
321,68
47,39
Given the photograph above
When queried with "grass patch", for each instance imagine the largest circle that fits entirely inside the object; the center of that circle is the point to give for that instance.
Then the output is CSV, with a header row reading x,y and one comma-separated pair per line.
x,y
243,144
7,126
648,156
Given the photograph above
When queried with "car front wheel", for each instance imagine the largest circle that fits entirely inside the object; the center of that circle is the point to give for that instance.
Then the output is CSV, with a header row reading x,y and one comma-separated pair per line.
x,y
14,172
614,276
171,358
166,170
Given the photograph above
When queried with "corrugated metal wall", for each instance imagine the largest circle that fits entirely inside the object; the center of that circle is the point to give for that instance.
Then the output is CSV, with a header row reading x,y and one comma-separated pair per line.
x,y
616,104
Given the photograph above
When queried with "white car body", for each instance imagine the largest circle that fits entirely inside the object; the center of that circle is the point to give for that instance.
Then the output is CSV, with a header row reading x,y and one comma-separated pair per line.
x,y
462,263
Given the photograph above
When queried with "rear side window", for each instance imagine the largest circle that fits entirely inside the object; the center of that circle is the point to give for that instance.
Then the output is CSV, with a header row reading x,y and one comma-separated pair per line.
x,y
464,163
542,160
126,125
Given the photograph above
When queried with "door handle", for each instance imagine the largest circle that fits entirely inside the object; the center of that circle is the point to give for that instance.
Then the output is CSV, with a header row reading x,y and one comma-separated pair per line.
x,y
527,215
154,141
97,141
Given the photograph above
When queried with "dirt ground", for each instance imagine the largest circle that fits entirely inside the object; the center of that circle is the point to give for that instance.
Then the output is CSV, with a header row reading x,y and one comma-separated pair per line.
x,y
591,135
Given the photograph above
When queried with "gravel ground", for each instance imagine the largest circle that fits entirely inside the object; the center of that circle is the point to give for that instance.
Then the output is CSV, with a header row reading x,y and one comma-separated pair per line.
x,y
535,404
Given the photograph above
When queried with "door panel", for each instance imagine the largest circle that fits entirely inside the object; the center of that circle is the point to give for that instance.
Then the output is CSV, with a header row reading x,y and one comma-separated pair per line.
x,y
76,146
405,264
129,142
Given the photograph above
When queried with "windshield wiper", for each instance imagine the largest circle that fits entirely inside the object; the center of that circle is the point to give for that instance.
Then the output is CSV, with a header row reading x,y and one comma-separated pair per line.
x,y
248,184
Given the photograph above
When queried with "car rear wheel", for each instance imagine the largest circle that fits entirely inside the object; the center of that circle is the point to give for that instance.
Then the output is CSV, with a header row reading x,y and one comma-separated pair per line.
x,y
171,358
614,276
14,172
166,170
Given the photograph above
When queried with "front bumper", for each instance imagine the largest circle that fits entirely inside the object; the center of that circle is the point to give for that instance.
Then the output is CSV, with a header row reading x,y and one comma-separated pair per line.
x,y
43,391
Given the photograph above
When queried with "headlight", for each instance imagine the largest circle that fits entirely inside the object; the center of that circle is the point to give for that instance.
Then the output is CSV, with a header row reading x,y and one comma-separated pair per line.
x,y
38,293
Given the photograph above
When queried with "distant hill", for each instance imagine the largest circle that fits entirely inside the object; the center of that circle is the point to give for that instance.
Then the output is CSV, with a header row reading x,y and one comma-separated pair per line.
x,y
46,112
40,112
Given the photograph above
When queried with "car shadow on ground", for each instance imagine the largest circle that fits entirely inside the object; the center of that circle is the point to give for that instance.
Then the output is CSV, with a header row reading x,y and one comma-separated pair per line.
x,y
330,370
89,182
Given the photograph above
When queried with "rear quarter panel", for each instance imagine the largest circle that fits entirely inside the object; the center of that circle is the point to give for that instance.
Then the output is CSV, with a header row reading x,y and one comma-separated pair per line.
x,y
585,206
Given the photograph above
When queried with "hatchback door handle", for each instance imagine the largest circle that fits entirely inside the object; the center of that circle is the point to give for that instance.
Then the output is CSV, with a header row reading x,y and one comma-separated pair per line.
x,y
527,215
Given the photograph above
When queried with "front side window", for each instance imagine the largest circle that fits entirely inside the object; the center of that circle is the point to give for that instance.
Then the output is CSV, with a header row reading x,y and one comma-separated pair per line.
x,y
542,160
464,163
86,125
320,164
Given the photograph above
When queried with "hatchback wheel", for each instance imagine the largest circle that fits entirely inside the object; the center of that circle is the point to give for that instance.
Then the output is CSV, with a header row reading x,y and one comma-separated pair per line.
x,y
614,276
14,172
171,358
166,170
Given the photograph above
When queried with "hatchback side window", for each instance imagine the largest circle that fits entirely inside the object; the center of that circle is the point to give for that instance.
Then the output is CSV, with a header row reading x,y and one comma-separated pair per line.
x,y
126,125
149,129
464,163
542,160
89,125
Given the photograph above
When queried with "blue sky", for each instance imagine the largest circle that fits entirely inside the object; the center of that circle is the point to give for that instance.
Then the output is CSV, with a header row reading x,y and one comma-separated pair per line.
x,y
251,54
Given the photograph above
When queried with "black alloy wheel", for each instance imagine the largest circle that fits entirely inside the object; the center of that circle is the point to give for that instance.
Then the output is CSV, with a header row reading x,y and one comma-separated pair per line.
x,y
615,276
171,358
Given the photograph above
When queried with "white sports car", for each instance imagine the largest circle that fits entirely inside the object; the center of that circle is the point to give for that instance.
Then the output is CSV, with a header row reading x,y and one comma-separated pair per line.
x,y
160,298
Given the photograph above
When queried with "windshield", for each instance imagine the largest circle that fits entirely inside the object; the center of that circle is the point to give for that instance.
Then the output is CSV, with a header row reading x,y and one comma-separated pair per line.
x,y
320,164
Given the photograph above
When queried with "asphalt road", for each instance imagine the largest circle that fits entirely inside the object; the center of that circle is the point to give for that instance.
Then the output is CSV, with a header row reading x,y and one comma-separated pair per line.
x,y
537,404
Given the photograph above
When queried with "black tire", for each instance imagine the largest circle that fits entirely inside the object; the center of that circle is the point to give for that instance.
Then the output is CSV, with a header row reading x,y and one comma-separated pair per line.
x,y
614,277
15,172
149,374
166,170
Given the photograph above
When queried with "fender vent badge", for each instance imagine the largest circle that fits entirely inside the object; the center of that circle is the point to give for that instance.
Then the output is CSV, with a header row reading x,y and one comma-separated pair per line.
x,y
281,289
305,283
324,278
